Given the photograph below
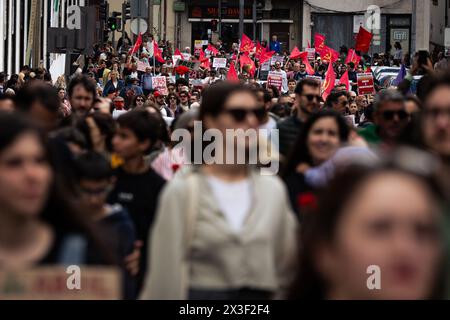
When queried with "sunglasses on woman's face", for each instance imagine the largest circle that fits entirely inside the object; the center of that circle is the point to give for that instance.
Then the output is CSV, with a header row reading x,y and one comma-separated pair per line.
x,y
140,100
240,114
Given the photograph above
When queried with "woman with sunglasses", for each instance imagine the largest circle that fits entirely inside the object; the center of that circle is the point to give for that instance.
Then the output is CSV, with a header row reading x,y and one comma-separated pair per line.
x,y
321,137
223,231
173,103
138,101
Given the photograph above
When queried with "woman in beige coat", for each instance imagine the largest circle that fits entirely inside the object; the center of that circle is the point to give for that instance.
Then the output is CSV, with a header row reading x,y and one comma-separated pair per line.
x,y
223,231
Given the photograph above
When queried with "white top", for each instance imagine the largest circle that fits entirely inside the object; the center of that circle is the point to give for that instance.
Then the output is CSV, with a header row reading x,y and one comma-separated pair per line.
x,y
117,113
234,200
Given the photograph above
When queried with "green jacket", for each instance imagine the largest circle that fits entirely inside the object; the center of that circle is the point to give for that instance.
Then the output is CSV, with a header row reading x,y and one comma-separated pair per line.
x,y
370,134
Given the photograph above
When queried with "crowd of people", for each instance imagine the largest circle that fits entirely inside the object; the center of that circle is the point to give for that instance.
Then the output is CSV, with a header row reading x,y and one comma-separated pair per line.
x,y
364,180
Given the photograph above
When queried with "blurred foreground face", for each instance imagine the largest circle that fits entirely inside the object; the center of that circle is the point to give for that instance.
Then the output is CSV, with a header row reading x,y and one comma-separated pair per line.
x,y
94,194
323,140
81,100
436,121
25,177
391,222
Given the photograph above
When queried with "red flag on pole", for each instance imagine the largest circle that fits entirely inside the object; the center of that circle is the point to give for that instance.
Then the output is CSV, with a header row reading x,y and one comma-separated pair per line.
x,y
363,40
136,46
319,42
259,50
309,68
247,44
329,55
345,80
265,56
246,60
157,53
295,54
212,49
353,57
232,74
329,83
178,53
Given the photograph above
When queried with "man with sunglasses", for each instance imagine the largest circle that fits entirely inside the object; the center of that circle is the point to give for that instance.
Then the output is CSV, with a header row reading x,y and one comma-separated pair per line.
x,y
390,119
338,101
307,101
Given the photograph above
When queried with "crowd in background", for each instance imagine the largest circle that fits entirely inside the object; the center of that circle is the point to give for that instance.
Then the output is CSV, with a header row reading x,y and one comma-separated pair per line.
x,y
89,173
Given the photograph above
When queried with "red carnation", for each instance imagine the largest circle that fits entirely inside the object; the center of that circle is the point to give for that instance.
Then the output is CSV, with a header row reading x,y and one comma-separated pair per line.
x,y
307,200
175,167
181,70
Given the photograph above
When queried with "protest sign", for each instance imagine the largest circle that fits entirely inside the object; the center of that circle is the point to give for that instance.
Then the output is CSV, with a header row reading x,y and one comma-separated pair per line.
x,y
141,66
311,53
265,66
193,65
219,63
59,283
365,84
275,79
175,58
275,59
160,84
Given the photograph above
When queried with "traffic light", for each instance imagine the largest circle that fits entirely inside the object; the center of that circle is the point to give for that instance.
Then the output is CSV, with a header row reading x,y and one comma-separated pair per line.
x,y
214,23
260,4
118,18
112,24
104,11
126,12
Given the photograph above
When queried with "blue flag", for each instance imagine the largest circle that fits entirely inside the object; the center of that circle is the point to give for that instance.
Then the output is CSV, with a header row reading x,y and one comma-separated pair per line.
x,y
401,75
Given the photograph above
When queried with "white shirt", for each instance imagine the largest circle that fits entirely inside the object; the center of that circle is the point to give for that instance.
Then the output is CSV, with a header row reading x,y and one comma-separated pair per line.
x,y
284,84
234,200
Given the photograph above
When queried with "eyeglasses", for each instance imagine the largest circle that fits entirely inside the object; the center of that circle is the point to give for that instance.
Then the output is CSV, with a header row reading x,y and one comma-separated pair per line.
x,y
183,97
311,97
240,114
139,100
173,98
389,115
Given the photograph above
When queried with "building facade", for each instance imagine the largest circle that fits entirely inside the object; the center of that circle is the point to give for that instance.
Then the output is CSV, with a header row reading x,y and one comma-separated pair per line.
x,y
340,20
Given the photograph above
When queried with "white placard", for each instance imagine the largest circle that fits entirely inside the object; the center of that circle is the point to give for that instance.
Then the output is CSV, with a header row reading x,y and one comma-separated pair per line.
x,y
219,63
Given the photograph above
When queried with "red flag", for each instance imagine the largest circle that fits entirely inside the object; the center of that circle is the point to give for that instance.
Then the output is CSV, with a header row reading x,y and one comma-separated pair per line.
x,y
319,42
247,44
136,46
232,74
329,55
345,80
363,40
157,53
266,56
246,60
329,83
295,54
178,53
309,68
259,50
212,49
353,57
